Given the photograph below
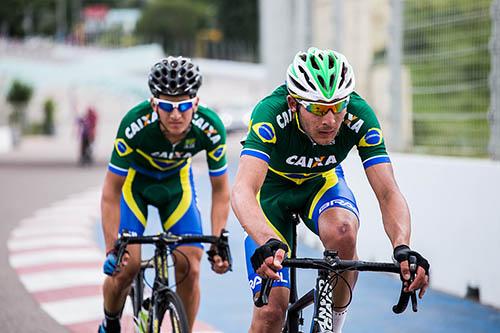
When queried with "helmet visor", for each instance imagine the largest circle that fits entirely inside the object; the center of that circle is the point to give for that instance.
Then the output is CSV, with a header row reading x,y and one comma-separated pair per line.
x,y
321,109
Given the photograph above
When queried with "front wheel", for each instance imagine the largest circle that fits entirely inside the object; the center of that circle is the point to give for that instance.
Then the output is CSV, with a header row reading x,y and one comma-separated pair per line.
x,y
168,305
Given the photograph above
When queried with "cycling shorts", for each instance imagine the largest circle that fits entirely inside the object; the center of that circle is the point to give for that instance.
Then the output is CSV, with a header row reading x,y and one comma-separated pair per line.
x,y
174,196
279,198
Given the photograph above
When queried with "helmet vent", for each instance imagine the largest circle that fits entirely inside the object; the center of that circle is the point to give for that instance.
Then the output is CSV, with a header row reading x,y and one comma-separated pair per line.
x,y
332,79
173,64
331,62
303,57
348,83
306,77
320,56
321,81
173,74
298,85
342,75
314,63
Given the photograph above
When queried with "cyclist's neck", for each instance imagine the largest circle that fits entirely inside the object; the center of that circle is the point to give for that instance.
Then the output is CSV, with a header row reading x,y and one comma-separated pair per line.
x,y
175,139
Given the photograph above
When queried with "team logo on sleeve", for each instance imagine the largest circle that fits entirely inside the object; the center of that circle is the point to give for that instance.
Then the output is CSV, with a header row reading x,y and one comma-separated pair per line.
x,y
265,131
218,152
122,148
373,137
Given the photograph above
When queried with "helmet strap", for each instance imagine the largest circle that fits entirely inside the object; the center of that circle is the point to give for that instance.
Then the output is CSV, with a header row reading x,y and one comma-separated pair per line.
x,y
299,126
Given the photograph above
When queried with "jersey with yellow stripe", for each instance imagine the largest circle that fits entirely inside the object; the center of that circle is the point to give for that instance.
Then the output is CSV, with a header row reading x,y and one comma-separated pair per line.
x,y
141,145
274,136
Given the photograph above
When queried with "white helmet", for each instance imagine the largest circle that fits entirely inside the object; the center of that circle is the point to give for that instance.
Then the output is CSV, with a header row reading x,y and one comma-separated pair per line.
x,y
320,75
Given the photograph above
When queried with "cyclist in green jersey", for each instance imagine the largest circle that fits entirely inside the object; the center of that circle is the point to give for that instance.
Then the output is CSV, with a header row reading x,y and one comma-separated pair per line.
x,y
290,162
151,165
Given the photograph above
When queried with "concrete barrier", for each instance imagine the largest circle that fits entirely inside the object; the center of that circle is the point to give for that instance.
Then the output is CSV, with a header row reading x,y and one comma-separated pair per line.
x,y
455,209
5,139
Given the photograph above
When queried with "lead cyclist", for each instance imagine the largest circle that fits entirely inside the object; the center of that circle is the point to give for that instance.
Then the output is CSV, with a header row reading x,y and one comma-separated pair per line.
x,y
290,162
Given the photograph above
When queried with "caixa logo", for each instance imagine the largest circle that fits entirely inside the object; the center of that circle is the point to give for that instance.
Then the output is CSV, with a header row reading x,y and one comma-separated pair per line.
x,y
258,280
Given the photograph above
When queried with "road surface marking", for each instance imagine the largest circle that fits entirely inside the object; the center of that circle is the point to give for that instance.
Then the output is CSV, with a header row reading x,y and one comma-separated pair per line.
x,y
58,261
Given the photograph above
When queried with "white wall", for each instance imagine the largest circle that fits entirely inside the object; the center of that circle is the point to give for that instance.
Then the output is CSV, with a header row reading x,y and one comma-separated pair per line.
x,y
455,207
5,139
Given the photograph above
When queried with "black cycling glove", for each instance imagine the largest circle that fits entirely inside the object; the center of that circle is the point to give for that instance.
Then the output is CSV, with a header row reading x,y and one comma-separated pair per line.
x,y
266,250
403,252
212,252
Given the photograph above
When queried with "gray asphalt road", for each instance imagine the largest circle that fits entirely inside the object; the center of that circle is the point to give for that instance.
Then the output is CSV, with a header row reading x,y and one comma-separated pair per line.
x,y
24,189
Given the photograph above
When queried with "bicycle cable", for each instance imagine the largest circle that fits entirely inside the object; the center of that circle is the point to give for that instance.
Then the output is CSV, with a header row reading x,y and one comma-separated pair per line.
x,y
188,266
332,282
145,280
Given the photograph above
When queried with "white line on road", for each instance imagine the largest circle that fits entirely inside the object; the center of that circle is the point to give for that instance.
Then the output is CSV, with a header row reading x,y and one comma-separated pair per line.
x,y
42,231
48,242
55,256
69,311
62,278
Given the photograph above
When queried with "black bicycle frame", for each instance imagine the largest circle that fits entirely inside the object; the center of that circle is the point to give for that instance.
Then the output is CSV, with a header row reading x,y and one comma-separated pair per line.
x,y
294,314
321,295
322,298
322,315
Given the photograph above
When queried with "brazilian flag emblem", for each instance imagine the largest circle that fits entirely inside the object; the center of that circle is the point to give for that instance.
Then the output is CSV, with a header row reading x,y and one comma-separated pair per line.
x,y
218,152
122,148
265,132
373,137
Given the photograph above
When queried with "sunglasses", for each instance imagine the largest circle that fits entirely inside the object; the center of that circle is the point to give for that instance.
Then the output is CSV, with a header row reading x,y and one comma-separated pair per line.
x,y
169,106
321,109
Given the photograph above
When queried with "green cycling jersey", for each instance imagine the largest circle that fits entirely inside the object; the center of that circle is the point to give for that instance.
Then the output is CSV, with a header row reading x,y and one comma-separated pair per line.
x,y
141,145
274,136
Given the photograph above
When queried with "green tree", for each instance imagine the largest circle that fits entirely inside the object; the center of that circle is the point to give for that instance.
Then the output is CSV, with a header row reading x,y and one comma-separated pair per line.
x,y
18,96
173,22
238,20
48,124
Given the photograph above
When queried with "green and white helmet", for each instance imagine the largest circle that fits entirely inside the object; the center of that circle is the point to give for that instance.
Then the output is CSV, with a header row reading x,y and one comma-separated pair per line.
x,y
320,75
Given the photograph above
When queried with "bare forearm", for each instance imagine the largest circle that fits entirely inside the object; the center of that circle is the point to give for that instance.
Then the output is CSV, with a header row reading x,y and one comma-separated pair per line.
x,y
110,212
396,217
251,217
220,210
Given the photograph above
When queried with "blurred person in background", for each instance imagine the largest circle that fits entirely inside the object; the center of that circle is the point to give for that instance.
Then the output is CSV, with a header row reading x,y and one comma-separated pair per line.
x,y
290,162
151,165
87,125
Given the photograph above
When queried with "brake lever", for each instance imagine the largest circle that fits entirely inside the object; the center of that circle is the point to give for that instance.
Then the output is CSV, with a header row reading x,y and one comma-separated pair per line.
x,y
120,248
263,297
405,297
413,272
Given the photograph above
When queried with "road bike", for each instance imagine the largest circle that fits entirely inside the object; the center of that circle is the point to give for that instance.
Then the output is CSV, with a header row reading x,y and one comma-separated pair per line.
x,y
149,313
321,296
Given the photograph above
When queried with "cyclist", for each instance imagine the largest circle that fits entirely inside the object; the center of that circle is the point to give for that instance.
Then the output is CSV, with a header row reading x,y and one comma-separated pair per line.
x,y
290,162
151,165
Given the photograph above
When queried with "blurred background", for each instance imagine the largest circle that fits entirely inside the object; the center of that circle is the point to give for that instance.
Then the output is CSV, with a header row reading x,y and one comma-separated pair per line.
x,y
429,68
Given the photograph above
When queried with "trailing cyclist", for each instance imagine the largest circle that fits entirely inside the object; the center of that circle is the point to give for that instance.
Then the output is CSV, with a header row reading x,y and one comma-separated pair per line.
x,y
290,162
151,165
